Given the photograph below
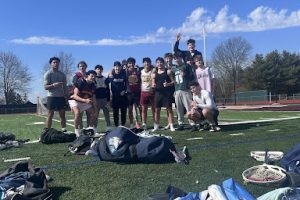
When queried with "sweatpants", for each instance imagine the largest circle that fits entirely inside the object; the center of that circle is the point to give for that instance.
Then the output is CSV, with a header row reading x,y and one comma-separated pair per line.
x,y
183,100
119,103
102,104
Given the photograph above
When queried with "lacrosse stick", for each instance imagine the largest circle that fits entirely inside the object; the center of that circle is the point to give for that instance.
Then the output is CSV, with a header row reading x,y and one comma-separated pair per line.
x,y
264,174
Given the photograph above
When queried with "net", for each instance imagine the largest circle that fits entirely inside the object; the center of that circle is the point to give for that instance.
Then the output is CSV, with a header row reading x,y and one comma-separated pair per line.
x,y
41,108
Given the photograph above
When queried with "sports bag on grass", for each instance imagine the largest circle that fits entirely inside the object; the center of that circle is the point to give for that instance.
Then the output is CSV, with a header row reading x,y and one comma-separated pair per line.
x,y
51,136
80,145
291,160
33,179
123,145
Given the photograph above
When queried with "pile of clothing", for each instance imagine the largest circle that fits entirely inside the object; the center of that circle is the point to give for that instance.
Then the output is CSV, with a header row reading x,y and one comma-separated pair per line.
x,y
24,181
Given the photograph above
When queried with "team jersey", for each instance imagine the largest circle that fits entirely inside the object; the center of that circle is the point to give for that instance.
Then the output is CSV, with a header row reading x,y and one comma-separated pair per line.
x,y
182,77
146,81
86,89
204,78
133,78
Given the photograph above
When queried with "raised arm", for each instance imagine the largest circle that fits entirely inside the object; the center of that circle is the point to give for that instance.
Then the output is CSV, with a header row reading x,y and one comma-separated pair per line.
x,y
176,45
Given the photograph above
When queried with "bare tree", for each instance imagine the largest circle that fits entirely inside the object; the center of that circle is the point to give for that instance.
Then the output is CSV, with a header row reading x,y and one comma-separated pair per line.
x,y
66,65
229,58
14,75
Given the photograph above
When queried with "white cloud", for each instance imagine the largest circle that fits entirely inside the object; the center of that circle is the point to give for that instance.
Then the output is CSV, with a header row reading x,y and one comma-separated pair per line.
x,y
260,19
50,41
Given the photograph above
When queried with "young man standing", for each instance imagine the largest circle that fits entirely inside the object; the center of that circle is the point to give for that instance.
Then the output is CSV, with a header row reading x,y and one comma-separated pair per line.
x,y
147,93
102,96
117,79
79,76
183,98
133,91
203,107
161,80
168,57
55,84
84,99
191,52
204,75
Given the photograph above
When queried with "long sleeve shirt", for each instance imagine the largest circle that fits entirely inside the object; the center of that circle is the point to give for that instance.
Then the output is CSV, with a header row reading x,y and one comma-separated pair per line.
x,y
185,54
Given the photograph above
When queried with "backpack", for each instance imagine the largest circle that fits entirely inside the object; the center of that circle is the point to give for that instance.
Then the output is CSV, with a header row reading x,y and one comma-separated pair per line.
x,y
51,136
35,182
123,145
291,160
291,163
4,137
80,145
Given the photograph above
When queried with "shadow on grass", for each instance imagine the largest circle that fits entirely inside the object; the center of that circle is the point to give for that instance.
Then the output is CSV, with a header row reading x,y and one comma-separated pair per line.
x,y
58,191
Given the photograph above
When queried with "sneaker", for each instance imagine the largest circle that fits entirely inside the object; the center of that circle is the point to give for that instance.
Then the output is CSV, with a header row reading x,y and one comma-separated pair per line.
x,y
137,125
131,126
194,128
172,128
144,126
200,128
77,132
167,127
180,127
155,127
214,128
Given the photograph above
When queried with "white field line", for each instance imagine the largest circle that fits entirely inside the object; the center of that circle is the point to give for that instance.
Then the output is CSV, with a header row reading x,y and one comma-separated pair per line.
x,y
273,130
195,138
56,120
237,134
257,121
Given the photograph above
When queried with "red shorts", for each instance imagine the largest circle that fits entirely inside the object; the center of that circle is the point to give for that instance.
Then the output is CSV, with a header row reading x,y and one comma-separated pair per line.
x,y
147,98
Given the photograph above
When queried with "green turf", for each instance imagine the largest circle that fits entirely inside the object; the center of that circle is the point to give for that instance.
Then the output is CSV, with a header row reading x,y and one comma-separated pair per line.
x,y
216,157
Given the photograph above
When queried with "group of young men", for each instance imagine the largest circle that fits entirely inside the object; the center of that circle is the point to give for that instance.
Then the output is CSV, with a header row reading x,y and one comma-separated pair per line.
x,y
187,83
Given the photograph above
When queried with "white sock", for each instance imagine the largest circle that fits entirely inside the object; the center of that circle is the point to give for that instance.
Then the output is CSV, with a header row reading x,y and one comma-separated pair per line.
x,y
77,132
171,126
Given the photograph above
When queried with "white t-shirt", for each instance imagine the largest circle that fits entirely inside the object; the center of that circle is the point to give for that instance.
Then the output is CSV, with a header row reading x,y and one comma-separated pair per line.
x,y
146,81
205,100
205,77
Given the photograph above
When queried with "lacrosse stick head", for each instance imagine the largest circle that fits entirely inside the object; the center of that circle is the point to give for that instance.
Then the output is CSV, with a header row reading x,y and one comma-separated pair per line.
x,y
264,174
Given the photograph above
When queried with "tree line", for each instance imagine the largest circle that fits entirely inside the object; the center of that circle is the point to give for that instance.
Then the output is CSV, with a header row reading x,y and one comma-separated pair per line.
x,y
235,71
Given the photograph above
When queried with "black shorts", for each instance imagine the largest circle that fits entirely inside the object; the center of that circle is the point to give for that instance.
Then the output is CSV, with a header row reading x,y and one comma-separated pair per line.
x,y
133,98
162,100
56,103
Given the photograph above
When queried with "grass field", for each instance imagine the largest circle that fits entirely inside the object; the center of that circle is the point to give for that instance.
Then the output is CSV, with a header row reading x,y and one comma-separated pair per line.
x,y
215,157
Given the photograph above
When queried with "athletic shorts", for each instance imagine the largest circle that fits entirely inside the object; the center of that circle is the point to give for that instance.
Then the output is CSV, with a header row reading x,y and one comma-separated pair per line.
x,y
215,114
147,98
56,103
80,105
162,100
133,98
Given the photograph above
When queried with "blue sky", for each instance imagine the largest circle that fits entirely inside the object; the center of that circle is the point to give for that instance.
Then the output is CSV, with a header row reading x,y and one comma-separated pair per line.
x,y
101,32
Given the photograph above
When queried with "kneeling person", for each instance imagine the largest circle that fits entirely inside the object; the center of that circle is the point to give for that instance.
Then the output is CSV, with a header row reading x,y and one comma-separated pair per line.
x,y
203,107
84,99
